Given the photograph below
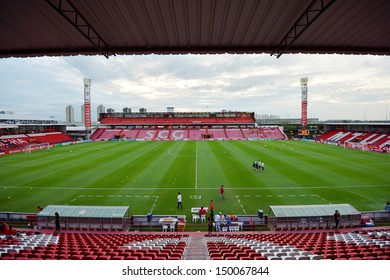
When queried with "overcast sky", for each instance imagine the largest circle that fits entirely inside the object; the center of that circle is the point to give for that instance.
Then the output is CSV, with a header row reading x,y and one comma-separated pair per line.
x,y
340,86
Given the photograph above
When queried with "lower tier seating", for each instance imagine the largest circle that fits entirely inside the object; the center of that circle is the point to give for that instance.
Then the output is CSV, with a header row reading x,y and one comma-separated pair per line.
x,y
316,245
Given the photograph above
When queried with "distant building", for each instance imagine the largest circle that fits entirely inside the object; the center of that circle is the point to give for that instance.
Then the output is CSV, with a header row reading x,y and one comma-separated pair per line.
x,y
142,110
170,109
82,113
69,111
267,117
110,110
127,110
100,109
6,112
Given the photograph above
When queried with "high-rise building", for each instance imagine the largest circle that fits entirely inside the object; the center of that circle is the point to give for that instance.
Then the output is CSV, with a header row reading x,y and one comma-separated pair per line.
x,y
100,109
82,113
142,110
110,110
127,110
69,111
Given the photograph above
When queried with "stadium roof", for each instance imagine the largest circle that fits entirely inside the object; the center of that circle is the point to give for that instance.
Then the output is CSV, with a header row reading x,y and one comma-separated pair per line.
x,y
90,27
285,211
85,211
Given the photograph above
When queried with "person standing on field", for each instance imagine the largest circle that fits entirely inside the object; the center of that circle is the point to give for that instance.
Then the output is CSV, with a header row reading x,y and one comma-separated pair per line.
x,y
221,192
179,199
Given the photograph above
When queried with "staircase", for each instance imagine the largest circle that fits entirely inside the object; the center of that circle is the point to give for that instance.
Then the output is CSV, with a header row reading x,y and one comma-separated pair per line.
x,y
196,249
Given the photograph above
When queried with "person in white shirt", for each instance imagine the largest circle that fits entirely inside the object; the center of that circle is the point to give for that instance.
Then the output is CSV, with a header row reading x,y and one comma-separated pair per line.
x,y
179,199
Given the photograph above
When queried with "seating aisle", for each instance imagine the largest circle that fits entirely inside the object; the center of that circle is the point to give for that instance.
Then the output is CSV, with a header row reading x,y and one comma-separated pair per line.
x,y
196,249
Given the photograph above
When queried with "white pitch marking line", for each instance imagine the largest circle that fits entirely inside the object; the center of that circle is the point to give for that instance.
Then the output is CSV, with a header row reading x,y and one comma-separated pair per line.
x,y
154,205
239,202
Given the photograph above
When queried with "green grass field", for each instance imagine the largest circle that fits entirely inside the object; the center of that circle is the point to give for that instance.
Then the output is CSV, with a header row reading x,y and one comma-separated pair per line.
x,y
146,176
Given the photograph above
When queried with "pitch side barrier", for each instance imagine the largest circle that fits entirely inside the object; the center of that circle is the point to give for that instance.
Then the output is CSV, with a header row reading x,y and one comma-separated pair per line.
x,y
37,147
179,223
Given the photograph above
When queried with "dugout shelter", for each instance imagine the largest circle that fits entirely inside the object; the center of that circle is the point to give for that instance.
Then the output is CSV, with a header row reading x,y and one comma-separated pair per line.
x,y
85,217
312,216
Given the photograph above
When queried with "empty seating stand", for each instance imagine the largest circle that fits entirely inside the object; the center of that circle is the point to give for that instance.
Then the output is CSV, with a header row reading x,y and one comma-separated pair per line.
x,y
189,134
315,245
91,246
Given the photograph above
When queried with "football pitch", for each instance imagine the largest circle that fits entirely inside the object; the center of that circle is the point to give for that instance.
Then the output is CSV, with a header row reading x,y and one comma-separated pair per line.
x,y
147,176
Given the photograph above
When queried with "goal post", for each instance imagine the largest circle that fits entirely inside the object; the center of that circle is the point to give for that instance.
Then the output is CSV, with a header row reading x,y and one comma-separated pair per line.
x,y
40,146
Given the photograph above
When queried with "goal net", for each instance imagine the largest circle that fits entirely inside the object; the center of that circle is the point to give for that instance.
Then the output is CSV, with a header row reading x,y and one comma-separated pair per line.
x,y
40,146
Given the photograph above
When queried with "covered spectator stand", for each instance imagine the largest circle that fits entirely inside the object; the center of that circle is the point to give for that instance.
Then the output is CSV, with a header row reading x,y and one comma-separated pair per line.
x,y
85,217
312,216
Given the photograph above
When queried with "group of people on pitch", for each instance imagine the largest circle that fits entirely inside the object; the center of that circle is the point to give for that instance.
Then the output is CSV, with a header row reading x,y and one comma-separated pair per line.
x,y
258,165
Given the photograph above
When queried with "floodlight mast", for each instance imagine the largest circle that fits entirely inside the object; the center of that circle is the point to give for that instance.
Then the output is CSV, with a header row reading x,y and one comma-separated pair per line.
x,y
304,82
87,106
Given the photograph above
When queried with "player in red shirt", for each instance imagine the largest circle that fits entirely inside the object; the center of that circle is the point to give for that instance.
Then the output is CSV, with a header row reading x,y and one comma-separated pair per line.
x,y
221,192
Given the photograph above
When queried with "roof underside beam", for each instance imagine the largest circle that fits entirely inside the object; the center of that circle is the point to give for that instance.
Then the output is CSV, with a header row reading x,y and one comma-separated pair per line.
x,y
311,13
67,10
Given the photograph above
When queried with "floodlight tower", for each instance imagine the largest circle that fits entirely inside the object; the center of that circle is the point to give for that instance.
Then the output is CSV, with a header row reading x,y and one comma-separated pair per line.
x,y
87,106
304,82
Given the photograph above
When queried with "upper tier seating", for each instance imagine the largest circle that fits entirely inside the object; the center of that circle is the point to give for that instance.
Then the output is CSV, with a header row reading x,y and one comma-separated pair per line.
x,y
174,121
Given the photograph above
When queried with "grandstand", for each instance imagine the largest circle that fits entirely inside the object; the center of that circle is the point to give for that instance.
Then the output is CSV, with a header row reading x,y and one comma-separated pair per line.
x,y
20,134
342,245
183,126
378,142
23,142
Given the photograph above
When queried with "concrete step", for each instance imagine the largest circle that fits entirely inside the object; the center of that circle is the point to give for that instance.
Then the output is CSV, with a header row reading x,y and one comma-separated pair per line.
x,y
196,249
